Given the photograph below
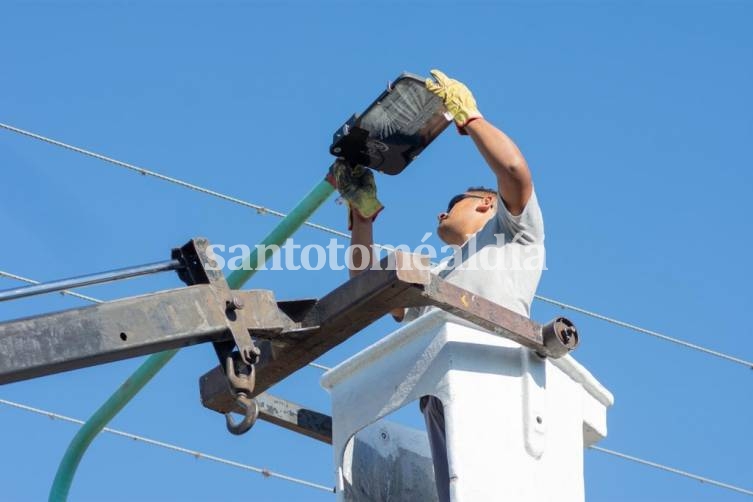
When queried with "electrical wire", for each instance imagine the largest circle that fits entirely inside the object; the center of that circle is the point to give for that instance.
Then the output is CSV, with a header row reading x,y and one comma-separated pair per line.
x,y
185,184
673,470
161,444
649,332
624,456
262,210
268,473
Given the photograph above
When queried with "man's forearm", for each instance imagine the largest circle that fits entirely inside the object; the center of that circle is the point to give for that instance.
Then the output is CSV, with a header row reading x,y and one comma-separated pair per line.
x,y
361,245
362,234
506,161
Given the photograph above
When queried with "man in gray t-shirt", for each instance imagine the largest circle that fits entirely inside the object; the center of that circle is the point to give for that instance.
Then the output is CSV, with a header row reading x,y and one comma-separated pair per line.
x,y
502,261
498,234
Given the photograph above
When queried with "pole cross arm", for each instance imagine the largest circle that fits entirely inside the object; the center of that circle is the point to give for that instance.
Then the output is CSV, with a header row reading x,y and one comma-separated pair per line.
x,y
400,280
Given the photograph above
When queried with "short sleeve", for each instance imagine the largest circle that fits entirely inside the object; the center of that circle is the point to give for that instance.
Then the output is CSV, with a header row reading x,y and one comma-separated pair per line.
x,y
525,228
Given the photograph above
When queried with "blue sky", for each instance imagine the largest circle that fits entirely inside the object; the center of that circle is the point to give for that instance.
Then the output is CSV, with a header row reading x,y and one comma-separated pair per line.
x,y
635,117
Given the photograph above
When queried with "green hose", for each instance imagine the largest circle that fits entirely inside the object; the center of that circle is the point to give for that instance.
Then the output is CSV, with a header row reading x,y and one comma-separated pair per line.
x,y
144,373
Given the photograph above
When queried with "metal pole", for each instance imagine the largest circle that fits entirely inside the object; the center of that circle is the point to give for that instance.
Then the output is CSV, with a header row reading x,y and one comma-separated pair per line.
x,y
88,280
76,449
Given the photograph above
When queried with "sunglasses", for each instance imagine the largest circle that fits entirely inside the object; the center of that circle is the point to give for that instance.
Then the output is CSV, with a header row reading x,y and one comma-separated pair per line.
x,y
460,197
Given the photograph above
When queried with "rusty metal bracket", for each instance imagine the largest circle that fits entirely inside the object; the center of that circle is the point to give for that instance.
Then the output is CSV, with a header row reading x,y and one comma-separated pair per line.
x,y
401,280
274,338
136,326
201,269
111,331
555,339
242,316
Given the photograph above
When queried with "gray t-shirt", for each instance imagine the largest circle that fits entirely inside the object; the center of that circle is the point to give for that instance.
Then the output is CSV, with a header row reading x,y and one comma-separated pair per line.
x,y
502,262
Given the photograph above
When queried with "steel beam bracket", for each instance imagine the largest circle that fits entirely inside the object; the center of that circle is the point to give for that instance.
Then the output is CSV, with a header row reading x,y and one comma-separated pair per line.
x,y
239,367
274,339
400,280
200,268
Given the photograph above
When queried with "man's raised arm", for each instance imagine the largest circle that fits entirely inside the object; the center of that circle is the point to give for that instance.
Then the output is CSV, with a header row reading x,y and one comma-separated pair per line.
x,y
506,161
499,151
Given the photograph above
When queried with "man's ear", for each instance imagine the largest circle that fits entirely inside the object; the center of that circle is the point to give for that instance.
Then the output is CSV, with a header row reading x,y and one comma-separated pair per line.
x,y
486,204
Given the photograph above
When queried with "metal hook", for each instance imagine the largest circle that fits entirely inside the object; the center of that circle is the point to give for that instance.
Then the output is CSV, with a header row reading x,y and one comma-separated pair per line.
x,y
249,417
243,387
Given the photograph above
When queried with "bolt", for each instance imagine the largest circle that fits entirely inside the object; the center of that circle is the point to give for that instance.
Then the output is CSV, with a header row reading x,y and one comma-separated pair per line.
x,y
539,420
337,149
235,304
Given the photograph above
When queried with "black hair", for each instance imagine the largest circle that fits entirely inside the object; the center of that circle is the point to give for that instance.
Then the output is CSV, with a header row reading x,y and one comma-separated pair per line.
x,y
481,189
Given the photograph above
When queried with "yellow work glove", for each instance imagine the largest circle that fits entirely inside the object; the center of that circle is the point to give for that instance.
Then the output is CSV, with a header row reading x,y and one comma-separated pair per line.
x,y
457,98
358,188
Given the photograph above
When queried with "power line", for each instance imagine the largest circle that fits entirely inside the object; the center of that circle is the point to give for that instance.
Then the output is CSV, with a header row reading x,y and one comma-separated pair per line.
x,y
325,368
96,300
673,470
146,172
624,456
649,332
268,473
262,210
161,444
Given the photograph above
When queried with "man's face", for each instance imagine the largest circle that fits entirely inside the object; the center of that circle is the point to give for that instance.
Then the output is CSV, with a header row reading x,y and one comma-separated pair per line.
x,y
466,214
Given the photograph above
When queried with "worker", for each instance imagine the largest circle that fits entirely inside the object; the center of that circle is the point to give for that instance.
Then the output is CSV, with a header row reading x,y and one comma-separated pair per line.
x,y
494,228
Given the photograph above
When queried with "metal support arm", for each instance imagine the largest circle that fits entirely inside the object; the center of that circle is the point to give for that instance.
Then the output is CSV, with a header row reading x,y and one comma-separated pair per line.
x,y
132,327
401,280
287,335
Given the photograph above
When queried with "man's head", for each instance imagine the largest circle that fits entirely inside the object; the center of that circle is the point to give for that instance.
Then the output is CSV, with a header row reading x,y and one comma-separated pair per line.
x,y
466,214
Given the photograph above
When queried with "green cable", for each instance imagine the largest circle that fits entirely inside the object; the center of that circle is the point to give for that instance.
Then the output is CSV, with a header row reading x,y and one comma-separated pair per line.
x,y
154,363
